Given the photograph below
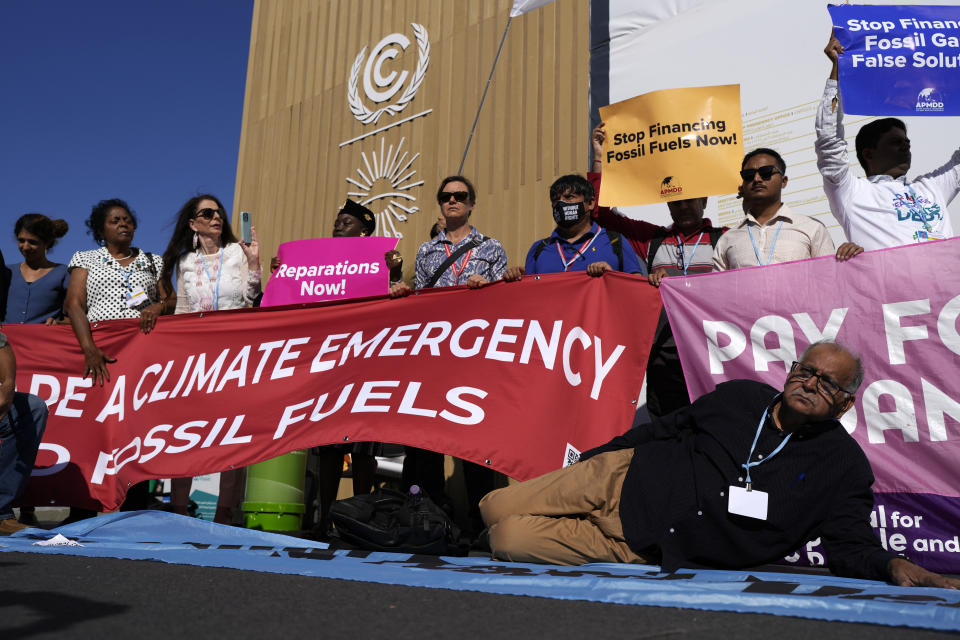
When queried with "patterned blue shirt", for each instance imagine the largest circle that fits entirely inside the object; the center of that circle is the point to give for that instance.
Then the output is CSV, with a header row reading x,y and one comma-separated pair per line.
x,y
489,260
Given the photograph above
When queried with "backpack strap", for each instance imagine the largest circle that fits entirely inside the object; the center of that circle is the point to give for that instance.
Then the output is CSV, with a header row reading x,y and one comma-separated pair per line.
x,y
467,246
715,234
616,243
151,265
540,247
654,246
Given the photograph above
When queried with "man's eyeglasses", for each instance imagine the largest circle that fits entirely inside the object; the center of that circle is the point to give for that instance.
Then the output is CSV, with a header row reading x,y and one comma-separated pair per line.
x,y
207,214
459,196
766,172
799,371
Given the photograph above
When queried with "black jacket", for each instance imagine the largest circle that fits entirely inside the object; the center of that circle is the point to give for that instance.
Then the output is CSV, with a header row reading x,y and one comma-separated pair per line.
x,y
674,495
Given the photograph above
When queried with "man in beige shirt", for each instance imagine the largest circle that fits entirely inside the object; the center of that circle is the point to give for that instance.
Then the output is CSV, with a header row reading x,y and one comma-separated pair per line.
x,y
771,232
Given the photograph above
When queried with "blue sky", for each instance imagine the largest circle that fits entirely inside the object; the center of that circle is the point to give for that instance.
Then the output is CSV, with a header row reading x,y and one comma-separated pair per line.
x,y
140,100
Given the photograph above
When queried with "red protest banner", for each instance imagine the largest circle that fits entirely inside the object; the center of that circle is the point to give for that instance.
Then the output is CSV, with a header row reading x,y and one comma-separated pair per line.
x,y
507,376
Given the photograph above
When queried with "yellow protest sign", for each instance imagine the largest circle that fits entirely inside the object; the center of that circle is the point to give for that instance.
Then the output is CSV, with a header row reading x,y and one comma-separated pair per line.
x,y
672,144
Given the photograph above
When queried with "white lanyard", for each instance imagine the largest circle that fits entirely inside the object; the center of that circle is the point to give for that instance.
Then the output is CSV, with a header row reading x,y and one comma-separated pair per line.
x,y
693,254
756,252
749,464
216,293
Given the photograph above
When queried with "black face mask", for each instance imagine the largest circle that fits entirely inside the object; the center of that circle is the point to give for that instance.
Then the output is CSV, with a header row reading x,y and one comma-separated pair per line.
x,y
567,214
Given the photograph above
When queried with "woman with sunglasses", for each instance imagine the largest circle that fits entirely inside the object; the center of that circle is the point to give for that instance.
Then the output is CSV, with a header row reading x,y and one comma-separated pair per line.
x,y
459,254
214,271
38,286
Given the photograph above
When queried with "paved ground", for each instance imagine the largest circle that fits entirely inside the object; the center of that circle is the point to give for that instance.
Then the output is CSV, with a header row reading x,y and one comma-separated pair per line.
x,y
52,596
47,596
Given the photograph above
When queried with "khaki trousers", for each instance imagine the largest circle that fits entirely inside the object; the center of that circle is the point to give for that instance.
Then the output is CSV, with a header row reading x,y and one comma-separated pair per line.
x,y
570,516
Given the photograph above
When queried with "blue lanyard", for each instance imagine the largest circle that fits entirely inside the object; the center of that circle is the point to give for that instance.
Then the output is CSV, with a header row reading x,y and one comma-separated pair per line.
x,y
757,252
693,254
749,464
216,293
126,273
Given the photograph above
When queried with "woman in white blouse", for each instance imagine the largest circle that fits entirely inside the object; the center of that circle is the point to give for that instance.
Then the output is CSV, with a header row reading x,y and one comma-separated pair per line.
x,y
214,272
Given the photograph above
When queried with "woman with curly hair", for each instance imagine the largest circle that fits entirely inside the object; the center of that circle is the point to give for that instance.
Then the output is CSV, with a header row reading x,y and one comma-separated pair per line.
x,y
115,281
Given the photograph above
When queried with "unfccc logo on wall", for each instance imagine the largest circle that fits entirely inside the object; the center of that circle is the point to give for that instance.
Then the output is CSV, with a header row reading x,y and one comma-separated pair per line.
x,y
380,88
385,178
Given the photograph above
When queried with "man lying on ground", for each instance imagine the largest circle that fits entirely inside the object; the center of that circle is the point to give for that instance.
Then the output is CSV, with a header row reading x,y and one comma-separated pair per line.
x,y
742,477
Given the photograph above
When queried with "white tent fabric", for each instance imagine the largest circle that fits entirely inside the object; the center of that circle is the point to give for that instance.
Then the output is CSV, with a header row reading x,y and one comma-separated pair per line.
x,y
774,51
521,7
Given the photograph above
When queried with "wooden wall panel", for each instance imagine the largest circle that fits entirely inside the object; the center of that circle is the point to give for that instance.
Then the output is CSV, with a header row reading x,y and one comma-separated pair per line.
x,y
292,172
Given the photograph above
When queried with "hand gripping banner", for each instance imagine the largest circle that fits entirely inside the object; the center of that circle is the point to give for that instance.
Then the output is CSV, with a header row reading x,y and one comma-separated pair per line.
x,y
898,309
506,376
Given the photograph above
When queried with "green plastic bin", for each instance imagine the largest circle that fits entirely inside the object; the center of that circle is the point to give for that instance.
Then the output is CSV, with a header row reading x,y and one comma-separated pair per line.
x,y
274,494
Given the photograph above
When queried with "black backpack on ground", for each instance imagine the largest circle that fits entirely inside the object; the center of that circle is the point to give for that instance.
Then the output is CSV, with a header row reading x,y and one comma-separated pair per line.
x,y
387,520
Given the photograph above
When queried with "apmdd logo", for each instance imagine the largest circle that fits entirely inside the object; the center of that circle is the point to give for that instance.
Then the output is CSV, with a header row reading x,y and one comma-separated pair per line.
x,y
669,188
929,99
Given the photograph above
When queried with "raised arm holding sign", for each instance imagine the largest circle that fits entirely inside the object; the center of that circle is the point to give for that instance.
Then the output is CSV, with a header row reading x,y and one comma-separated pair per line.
x,y
901,60
671,145
885,209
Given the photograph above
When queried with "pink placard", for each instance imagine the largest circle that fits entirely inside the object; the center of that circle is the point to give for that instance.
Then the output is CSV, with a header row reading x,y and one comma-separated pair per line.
x,y
897,308
329,269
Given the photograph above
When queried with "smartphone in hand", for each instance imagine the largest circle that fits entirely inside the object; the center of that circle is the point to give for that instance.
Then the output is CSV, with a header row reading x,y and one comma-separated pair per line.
x,y
245,224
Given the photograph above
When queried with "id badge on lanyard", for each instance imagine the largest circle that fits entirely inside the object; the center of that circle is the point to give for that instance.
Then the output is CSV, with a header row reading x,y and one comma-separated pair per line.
x,y
747,501
135,297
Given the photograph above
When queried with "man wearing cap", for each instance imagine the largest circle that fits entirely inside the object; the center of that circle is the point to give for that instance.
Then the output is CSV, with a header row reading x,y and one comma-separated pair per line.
x,y
23,417
884,209
742,477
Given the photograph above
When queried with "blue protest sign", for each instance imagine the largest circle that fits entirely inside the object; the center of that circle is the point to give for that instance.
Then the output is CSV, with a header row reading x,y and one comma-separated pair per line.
x,y
899,60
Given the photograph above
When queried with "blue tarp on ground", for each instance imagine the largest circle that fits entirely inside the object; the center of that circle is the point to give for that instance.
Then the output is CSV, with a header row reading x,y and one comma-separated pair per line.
x,y
153,535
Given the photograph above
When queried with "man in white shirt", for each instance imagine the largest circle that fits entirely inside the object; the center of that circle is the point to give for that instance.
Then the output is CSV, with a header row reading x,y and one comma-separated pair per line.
x,y
884,209
771,232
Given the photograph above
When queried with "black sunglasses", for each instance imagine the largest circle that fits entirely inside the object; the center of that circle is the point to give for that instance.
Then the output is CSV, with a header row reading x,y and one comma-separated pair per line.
x,y
207,214
765,172
459,196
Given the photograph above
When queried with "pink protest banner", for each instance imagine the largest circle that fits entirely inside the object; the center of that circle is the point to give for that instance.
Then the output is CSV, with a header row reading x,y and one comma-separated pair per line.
x,y
329,269
898,309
